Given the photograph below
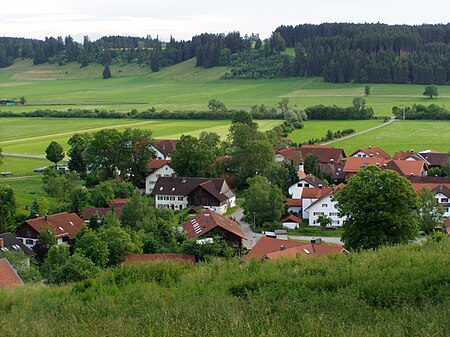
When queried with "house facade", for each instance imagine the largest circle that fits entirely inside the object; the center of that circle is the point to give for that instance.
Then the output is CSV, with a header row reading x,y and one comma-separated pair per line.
x,y
326,206
178,193
311,195
163,148
310,181
160,168
65,226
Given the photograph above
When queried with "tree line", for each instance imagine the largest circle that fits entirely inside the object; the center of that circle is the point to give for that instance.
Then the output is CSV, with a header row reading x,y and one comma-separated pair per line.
x,y
420,111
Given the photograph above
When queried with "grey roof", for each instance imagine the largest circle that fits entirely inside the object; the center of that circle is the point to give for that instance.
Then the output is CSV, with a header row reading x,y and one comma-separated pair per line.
x,y
11,243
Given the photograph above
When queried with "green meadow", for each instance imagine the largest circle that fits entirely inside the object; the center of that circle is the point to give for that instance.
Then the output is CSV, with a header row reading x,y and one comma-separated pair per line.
x,y
183,86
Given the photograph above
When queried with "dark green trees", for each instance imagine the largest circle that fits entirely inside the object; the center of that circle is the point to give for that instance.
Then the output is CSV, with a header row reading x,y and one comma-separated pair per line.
x,y
381,209
54,152
106,72
431,91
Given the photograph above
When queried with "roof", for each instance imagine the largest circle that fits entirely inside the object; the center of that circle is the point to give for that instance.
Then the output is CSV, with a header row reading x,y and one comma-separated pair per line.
x,y
8,276
217,187
116,202
326,154
428,180
406,167
155,164
354,164
11,243
206,221
315,193
165,146
291,218
434,158
373,152
313,180
293,202
132,258
271,248
64,224
333,191
336,170
411,155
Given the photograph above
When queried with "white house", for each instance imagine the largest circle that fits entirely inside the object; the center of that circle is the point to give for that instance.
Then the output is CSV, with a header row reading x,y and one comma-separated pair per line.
x,y
325,205
309,181
443,198
311,195
178,193
163,148
160,168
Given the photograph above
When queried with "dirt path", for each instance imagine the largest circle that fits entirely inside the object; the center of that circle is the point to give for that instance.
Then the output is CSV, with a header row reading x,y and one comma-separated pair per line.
x,y
391,120
33,156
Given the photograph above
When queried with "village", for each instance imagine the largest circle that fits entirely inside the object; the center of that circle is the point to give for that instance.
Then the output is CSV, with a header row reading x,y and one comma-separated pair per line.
x,y
212,213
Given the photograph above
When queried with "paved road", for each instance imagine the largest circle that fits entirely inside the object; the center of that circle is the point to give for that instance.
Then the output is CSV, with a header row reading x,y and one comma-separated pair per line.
x,y
254,237
23,155
361,132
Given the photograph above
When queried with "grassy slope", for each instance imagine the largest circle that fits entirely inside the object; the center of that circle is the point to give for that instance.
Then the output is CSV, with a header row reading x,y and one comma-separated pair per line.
x,y
22,166
184,86
400,291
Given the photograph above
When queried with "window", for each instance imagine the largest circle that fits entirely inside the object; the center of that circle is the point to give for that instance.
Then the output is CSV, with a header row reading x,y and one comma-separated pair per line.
x,y
333,214
29,242
318,213
444,200
299,185
306,185
180,198
324,205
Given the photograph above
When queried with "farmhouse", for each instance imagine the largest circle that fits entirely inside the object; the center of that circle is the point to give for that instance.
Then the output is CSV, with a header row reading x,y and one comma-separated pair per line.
x,y
311,195
159,168
65,225
309,181
403,167
115,205
9,243
326,206
273,249
434,159
178,193
163,148
8,276
210,224
441,194
370,151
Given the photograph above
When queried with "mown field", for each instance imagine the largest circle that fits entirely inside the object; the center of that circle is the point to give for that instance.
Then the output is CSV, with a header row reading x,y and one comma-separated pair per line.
x,y
184,86
398,291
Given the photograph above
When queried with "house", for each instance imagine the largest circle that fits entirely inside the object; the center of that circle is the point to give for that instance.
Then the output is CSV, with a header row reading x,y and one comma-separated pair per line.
x,y
293,205
409,155
325,205
403,167
65,225
373,152
210,224
115,205
141,258
9,243
178,193
8,276
311,195
159,168
326,154
434,159
163,148
291,222
308,181
273,249
441,193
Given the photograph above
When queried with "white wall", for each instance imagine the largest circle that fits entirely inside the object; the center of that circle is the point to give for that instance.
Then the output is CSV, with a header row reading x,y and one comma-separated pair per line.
x,y
443,200
150,181
325,207
175,202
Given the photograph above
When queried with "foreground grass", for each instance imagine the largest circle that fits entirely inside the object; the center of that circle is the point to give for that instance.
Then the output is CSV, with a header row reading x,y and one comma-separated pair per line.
x,y
184,86
400,291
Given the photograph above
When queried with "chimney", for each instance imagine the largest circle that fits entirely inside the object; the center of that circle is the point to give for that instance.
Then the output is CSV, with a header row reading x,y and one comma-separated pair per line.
x,y
46,218
371,155
320,186
282,247
1,243
206,216
301,167
331,160
317,241
370,147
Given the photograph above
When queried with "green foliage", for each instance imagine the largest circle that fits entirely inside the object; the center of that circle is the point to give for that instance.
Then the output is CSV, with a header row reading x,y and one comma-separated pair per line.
x,y
56,258
89,245
358,111
381,209
78,144
431,91
26,269
419,111
216,106
54,152
431,214
7,208
263,200
76,268
106,72
1,157
208,250
367,89
277,43
324,221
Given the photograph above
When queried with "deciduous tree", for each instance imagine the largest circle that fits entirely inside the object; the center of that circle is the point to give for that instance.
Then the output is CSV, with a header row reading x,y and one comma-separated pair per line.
x,y
54,152
431,91
431,213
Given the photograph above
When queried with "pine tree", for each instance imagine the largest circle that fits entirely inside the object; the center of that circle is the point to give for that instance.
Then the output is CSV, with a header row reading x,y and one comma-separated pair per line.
x,y
106,72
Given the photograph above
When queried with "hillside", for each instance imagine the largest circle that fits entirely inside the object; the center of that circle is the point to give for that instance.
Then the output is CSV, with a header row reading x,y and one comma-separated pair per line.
x,y
399,291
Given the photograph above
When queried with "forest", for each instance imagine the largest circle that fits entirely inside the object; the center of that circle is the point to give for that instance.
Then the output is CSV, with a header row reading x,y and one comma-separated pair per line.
x,y
340,52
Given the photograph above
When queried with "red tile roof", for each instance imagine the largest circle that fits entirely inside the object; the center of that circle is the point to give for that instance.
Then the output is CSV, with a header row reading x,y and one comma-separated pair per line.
x,y
333,191
270,248
354,164
64,224
406,167
315,193
206,221
291,218
155,164
165,146
326,154
8,276
373,152
116,202
293,202
130,258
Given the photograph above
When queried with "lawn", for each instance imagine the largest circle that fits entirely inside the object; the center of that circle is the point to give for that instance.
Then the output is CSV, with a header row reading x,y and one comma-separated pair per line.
x,y
20,167
403,135
184,86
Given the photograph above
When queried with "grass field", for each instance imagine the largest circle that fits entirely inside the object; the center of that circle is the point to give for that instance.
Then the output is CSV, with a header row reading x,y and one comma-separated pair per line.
x,y
34,134
403,135
184,86
22,166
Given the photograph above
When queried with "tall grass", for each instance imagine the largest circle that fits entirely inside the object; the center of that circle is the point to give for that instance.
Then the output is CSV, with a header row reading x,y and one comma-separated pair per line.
x,y
397,291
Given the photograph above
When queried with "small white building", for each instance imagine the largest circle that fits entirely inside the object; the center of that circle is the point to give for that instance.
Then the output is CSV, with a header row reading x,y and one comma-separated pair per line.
x,y
326,206
160,168
291,222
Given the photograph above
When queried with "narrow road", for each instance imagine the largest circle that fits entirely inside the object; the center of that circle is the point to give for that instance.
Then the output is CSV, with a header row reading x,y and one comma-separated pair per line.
x,y
391,120
33,156
254,237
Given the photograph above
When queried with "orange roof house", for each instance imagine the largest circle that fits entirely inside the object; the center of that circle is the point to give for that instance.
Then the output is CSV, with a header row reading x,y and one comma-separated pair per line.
x,y
8,276
376,152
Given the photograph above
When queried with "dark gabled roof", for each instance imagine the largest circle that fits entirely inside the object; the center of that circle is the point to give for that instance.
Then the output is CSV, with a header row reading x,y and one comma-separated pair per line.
x,y
64,224
136,258
217,187
444,189
8,276
165,146
428,180
206,221
11,243
434,158
313,180
404,155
